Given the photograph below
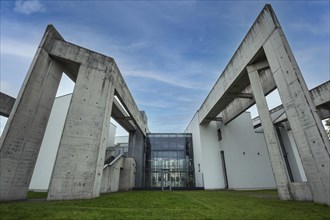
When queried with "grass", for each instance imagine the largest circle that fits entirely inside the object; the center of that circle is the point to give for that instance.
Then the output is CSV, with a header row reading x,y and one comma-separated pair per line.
x,y
166,205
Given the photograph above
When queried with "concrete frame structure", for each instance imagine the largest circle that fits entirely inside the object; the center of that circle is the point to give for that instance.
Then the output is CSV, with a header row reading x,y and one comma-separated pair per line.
x,y
79,164
262,63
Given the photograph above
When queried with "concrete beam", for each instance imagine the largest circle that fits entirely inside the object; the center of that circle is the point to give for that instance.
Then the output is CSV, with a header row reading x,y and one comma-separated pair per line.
x,y
248,52
321,96
120,115
238,105
79,164
307,128
22,136
6,104
64,50
273,145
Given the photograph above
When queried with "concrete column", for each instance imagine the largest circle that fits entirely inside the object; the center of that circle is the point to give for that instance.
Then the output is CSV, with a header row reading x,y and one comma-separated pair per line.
x,y
21,139
307,128
136,150
273,146
79,164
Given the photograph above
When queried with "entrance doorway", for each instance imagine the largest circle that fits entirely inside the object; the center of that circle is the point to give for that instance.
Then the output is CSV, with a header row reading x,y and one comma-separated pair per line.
x,y
166,179
224,169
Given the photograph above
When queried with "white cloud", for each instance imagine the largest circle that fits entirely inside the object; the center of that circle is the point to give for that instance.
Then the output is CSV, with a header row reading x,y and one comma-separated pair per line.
x,y
17,47
29,6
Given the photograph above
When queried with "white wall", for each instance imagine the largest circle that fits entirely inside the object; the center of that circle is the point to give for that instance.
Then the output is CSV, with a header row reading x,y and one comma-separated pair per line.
x,y
49,146
121,139
246,155
193,128
212,165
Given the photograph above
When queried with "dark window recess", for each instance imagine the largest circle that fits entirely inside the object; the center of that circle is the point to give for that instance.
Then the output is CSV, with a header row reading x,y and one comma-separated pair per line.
x,y
219,135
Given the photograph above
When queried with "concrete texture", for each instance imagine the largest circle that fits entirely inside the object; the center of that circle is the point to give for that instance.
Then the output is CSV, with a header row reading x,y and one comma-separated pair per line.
x,y
21,139
266,48
119,175
234,79
307,129
272,143
79,162
111,175
136,145
127,175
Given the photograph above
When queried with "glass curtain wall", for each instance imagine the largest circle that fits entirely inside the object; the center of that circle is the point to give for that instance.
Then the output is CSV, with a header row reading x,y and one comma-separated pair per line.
x,y
169,160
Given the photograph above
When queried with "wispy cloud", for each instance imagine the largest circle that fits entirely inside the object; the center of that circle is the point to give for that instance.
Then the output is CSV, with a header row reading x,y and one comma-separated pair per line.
x,y
156,104
19,48
164,79
29,7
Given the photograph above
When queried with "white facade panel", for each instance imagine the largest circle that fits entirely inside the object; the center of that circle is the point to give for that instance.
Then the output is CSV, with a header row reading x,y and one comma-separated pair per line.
x,y
48,150
247,160
193,128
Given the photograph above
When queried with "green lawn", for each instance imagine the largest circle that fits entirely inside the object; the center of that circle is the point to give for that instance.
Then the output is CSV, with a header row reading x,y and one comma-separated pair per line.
x,y
167,205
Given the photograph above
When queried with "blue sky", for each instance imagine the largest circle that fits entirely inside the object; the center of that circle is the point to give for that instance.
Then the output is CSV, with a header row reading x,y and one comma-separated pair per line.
x,y
169,52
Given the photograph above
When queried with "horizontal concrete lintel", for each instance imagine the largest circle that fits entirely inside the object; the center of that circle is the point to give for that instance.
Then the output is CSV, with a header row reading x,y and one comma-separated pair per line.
x,y
6,104
241,95
246,53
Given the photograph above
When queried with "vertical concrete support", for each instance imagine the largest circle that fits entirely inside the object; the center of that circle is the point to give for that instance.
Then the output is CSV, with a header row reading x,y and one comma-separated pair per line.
x,y
308,132
79,164
275,155
136,150
21,139
127,175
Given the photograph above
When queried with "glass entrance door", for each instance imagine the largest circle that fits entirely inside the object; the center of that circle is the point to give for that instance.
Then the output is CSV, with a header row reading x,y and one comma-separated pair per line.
x,y
166,179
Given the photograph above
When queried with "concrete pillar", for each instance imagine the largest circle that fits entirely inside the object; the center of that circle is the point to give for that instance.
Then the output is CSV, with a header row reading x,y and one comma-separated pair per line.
x,y
273,146
79,164
21,139
307,129
136,150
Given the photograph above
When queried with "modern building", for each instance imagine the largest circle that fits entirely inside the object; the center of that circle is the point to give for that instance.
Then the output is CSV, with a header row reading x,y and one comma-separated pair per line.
x,y
222,147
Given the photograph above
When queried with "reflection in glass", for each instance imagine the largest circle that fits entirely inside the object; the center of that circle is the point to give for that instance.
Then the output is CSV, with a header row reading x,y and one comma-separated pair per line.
x,y
169,160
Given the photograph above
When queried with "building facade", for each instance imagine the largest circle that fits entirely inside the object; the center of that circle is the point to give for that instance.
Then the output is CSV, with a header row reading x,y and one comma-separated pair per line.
x,y
169,160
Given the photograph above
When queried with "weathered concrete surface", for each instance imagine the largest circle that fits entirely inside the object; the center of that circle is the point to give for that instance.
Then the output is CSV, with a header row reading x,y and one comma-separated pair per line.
x,y
111,175
301,191
136,145
119,175
307,129
321,96
6,104
127,175
79,164
265,41
122,117
24,130
239,105
234,78
274,150
64,50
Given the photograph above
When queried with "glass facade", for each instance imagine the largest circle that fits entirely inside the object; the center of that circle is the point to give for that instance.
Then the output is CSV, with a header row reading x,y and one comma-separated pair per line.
x,y
169,160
